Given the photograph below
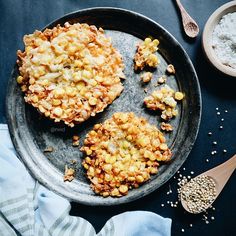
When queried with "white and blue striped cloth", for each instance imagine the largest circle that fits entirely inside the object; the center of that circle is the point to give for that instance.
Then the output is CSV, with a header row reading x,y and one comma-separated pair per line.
x,y
29,209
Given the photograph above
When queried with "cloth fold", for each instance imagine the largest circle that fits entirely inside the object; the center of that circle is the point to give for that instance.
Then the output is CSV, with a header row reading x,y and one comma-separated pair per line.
x,y
29,209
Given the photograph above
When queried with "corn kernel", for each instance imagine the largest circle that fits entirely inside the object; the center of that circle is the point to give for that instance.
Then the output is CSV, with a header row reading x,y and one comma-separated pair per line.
x,y
143,141
163,146
77,77
59,92
147,41
47,113
156,42
93,82
41,109
123,189
57,111
115,192
71,92
139,179
56,102
19,79
34,99
44,82
93,101
23,88
78,63
87,74
129,137
179,96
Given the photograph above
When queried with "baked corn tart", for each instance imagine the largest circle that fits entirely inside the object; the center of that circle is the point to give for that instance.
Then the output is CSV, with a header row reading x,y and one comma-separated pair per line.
x,y
145,55
122,153
165,100
70,72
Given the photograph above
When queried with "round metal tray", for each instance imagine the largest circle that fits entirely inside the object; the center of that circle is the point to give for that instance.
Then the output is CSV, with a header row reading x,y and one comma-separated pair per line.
x,y
32,133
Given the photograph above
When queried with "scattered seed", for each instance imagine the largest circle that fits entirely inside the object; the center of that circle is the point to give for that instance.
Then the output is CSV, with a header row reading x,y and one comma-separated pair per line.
x,y
184,168
218,113
222,119
214,142
162,205
212,218
226,111
217,108
224,150
191,225
221,127
207,160
182,230
210,133
191,172
207,222
189,177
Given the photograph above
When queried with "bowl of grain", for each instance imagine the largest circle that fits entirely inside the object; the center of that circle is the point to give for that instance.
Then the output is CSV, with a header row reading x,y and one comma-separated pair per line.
x,y
219,39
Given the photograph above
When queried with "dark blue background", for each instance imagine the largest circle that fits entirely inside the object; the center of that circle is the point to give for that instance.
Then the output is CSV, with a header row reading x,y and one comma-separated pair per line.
x,y
20,17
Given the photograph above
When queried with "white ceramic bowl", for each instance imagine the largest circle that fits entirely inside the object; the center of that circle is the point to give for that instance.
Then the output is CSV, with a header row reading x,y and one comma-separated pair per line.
x,y
207,37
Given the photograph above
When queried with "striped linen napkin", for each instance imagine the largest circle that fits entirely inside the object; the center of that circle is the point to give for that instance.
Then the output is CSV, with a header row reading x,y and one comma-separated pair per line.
x,y
29,209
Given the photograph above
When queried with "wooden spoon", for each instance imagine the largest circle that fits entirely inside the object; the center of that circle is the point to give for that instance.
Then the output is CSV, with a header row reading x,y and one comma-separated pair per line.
x,y
190,26
220,174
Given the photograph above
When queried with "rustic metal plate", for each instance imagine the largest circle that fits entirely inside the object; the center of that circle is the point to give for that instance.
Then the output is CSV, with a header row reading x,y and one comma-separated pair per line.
x,y
31,133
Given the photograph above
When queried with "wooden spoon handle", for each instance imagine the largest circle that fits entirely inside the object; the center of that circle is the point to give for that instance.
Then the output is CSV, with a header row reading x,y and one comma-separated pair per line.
x,y
185,16
223,172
